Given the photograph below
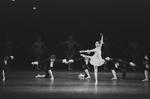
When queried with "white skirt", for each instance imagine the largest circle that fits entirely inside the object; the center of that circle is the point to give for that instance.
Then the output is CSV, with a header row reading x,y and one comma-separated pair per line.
x,y
96,61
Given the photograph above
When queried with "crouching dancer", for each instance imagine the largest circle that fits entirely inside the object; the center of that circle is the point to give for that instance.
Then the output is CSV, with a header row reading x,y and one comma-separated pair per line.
x,y
120,64
49,64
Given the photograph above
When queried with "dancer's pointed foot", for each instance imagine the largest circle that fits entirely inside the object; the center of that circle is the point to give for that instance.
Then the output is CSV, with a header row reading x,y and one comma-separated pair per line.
x,y
114,78
3,79
96,83
37,76
52,78
88,78
145,80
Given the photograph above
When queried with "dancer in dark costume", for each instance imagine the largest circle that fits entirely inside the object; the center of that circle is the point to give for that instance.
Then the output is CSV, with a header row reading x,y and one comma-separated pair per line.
x,y
6,48
107,50
39,50
147,68
49,64
85,66
3,65
120,64
136,49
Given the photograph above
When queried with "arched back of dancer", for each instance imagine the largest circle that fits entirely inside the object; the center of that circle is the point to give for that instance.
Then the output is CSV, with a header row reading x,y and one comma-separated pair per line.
x,y
96,60
39,49
119,64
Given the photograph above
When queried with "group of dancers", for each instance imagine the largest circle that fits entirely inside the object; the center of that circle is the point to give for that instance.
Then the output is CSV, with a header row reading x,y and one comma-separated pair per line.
x,y
96,60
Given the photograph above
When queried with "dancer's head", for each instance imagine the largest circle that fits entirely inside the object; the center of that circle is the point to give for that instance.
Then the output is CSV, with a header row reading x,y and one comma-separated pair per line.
x,y
52,58
97,44
71,37
39,38
145,61
7,37
107,58
86,59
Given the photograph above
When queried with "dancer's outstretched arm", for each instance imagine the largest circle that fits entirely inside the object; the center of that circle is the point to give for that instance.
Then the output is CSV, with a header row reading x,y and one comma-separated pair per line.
x,y
101,41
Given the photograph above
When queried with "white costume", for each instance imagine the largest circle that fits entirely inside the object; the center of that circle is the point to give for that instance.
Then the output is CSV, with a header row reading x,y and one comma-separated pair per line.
x,y
96,59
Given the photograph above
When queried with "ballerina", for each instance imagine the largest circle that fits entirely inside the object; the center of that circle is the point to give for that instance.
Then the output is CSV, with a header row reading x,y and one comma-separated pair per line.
x,y
39,51
96,60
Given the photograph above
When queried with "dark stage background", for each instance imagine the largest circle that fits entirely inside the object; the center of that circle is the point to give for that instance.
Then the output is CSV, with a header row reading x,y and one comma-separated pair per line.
x,y
55,20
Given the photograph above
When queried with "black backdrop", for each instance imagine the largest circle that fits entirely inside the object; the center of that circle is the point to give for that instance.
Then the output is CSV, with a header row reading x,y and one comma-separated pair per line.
x,y
55,20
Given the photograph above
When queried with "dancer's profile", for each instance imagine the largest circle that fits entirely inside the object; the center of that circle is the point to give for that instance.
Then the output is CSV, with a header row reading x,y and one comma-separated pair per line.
x,y
96,60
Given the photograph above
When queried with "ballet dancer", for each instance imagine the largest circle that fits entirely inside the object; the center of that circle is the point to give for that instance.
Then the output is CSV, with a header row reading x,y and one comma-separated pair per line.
x,y
39,50
49,64
96,60
136,49
3,65
120,64
107,49
70,51
85,66
6,48
146,69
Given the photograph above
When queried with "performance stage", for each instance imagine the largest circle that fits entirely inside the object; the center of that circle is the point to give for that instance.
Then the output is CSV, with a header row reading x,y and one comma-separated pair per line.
x,y
23,85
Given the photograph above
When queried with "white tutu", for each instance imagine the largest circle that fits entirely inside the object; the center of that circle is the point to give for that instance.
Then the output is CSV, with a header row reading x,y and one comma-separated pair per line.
x,y
96,61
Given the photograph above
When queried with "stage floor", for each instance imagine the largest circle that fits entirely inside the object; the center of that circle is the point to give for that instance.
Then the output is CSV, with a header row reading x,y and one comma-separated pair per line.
x,y
24,85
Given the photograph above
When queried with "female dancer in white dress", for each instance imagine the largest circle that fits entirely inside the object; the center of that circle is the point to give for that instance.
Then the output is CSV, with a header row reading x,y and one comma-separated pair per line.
x,y
96,59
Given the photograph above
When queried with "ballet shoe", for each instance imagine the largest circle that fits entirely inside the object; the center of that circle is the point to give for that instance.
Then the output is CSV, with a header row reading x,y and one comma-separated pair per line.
x,y
52,78
114,78
96,83
69,68
3,79
88,78
37,76
145,80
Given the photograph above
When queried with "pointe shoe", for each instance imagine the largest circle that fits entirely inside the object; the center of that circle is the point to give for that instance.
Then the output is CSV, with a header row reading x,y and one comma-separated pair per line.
x,y
52,78
3,79
37,76
114,78
88,78
145,80
96,83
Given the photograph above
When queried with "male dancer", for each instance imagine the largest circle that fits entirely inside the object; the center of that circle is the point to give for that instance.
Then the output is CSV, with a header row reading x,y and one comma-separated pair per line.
x,y
120,64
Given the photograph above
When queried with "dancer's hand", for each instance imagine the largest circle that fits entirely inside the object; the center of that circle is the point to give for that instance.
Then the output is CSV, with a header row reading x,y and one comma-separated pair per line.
x,y
132,64
12,57
80,51
101,34
88,51
71,61
35,63
82,55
